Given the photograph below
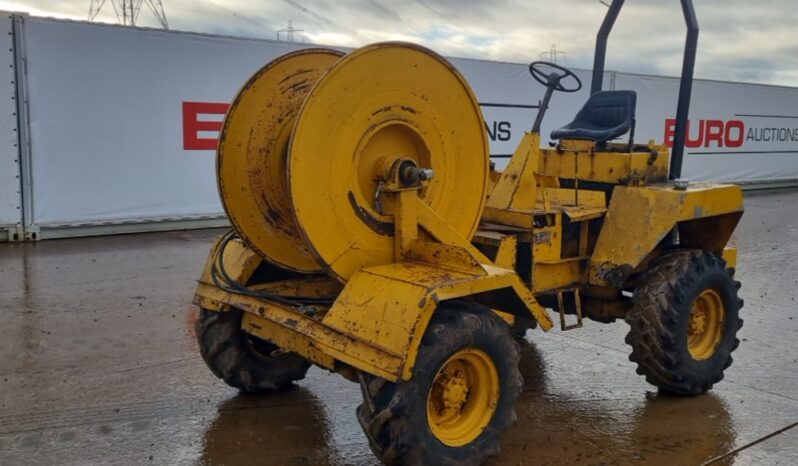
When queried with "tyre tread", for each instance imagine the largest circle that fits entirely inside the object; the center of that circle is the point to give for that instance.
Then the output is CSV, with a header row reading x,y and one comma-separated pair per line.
x,y
222,347
390,433
655,312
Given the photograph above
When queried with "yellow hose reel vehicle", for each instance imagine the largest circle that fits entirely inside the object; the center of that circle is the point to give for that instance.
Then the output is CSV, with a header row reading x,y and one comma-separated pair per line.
x,y
371,239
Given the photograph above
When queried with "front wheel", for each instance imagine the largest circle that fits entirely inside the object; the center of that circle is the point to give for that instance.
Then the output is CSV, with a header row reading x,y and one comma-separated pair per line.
x,y
684,322
460,400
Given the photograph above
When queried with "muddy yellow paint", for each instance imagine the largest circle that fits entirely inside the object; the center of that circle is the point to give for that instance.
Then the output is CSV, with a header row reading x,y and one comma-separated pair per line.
x,y
619,167
639,218
251,160
388,100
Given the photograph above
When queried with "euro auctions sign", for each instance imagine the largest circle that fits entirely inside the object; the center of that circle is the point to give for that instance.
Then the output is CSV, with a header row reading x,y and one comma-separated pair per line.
x,y
709,132
730,133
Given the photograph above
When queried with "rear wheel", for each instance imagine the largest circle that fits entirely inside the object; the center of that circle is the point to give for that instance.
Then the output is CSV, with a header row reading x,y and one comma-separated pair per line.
x,y
460,400
684,322
241,360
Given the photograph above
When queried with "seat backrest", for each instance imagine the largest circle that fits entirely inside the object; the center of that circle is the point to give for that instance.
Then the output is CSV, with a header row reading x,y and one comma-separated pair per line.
x,y
606,115
607,109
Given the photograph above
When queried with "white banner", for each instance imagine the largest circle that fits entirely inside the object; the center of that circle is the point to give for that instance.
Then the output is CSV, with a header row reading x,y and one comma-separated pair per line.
x,y
106,118
10,198
124,121
510,99
737,132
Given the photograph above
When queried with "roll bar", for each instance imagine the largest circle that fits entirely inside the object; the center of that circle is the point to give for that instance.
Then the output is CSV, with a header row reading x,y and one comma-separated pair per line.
x,y
685,85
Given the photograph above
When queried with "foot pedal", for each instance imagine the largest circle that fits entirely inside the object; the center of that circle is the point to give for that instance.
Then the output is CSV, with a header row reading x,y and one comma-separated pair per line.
x,y
561,309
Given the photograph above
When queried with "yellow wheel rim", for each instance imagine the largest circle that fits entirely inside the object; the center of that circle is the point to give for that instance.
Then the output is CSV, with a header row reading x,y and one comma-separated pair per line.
x,y
463,397
378,103
705,325
251,160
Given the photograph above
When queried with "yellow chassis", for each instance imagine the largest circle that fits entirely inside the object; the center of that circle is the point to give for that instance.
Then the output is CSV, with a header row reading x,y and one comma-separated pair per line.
x,y
377,319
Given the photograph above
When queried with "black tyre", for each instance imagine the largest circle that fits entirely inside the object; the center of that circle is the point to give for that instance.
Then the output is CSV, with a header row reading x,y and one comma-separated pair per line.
x,y
684,322
521,326
460,400
241,360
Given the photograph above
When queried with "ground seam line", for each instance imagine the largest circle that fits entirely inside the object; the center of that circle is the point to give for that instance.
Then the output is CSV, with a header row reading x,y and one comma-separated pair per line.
x,y
751,444
780,395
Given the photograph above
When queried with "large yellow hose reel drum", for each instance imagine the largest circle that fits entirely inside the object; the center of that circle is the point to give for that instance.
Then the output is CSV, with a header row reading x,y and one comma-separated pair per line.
x,y
251,160
306,143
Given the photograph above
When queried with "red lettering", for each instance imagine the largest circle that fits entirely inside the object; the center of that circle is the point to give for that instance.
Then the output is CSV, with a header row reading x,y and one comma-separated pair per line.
x,y
670,131
697,141
724,133
714,130
192,125
740,127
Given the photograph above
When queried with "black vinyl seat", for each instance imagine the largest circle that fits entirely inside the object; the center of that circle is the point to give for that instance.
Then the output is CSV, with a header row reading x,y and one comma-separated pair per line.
x,y
606,115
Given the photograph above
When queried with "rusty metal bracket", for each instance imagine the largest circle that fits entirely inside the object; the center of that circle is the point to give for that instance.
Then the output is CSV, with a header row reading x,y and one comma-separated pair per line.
x,y
561,309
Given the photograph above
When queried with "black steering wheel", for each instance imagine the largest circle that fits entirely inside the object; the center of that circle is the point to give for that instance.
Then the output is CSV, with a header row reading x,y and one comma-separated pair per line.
x,y
553,79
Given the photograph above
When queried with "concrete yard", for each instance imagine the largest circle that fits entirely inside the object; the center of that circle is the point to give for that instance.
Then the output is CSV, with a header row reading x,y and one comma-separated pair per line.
x,y
99,366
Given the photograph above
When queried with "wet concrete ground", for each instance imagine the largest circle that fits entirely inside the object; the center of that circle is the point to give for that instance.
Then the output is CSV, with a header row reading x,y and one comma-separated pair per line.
x,y
98,365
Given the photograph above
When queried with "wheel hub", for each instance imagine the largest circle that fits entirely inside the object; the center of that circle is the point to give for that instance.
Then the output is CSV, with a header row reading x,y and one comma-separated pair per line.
x,y
455,391
705,325
463,397
698,323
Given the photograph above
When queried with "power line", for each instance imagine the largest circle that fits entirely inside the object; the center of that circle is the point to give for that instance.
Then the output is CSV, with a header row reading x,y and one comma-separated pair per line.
x,y
449,22
320,17
247,19
309,12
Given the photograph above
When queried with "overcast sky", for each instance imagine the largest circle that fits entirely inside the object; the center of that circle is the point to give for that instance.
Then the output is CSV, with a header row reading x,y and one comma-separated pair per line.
x,y
741,40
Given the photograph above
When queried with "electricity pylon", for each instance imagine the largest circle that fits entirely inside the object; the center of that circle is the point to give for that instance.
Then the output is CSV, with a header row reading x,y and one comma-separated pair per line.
x,y
127,11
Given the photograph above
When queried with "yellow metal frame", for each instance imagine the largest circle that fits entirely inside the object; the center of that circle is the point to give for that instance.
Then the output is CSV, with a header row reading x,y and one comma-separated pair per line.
x,y
644,209
379,318
617,165
640,217
380,314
